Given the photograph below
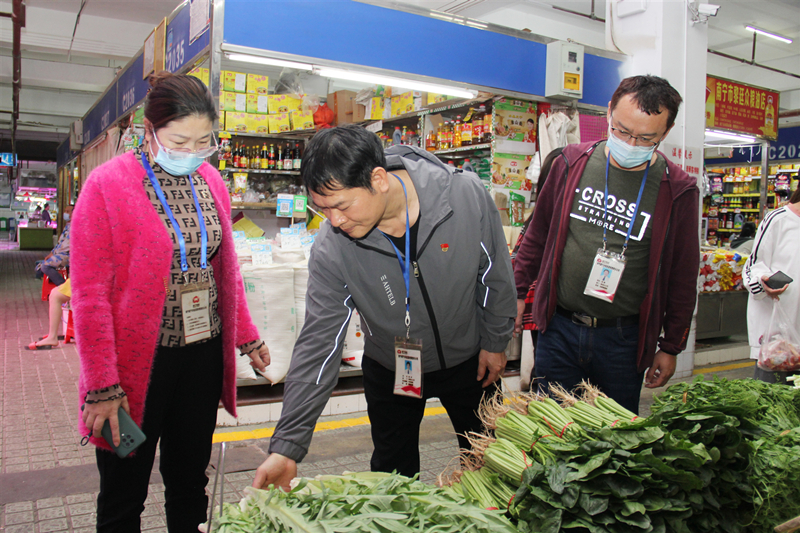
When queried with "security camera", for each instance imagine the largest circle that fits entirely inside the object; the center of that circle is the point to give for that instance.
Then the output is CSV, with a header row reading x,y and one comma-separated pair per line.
x,y
709,10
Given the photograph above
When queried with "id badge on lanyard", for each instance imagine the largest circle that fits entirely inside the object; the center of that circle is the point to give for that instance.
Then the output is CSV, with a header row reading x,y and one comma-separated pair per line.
x,y
608,266
195,297
407,351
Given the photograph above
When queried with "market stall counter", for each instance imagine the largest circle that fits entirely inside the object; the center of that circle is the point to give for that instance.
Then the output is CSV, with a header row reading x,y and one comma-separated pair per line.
x,y
35,238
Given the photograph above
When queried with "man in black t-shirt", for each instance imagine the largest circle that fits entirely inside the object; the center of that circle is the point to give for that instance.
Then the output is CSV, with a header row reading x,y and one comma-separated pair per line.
x,y
614,251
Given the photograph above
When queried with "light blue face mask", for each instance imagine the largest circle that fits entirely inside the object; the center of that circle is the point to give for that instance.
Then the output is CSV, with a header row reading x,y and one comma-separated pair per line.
x,y
66,217
628,156
181,167
184,165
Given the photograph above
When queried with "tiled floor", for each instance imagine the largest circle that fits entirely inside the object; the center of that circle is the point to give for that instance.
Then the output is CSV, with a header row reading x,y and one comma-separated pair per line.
x,y
47,480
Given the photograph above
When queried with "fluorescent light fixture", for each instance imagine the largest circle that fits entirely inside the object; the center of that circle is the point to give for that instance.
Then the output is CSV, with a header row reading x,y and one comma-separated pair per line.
x,y
379,79
442,16
768,34
246,58
730,136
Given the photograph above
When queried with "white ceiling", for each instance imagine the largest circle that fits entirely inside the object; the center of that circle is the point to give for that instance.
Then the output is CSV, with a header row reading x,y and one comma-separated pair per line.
x,y
57,91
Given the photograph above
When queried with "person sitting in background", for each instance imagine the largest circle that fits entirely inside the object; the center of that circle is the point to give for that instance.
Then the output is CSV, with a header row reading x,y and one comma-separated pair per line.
x,y
58,297
46,214
743,243
59,257
774,249
36,215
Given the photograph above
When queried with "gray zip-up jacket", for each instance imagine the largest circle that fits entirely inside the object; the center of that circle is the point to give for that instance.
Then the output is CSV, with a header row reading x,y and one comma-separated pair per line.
x,y
463,297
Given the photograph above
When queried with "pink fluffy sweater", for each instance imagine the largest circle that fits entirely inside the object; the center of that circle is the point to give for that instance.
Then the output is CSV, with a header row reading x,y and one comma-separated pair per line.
x,y
121,256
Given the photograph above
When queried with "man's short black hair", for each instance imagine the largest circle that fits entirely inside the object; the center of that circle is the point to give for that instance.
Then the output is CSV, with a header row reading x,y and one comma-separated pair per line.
x,y
341,158
652,94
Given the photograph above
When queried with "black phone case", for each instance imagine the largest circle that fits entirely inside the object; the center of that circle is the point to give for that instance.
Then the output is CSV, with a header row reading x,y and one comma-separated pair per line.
x,y
778,280
131,437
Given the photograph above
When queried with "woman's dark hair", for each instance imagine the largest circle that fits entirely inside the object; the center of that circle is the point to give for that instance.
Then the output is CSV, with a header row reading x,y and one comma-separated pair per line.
x,y
795,197
652,94
173,97
341,158
748,230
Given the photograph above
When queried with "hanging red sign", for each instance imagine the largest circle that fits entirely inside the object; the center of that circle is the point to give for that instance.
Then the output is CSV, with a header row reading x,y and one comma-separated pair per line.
x,y
741,108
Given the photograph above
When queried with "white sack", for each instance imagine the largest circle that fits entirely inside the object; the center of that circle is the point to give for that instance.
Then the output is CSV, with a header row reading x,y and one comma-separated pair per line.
x,y
243,368
270,298
300,288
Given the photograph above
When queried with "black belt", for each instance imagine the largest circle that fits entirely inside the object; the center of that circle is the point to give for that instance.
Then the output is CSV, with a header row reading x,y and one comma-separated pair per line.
x,y
582,319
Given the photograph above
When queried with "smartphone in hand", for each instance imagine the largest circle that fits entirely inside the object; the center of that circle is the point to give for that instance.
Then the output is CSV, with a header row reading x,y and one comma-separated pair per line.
x,y
130,435
778,280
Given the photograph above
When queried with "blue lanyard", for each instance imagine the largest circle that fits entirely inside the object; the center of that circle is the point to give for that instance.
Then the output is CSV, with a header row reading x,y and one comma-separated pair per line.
x,y
168,210
635,211
405,264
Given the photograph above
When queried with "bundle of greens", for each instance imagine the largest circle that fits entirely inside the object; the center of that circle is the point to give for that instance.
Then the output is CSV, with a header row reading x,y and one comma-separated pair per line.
x,y
358,502
713,456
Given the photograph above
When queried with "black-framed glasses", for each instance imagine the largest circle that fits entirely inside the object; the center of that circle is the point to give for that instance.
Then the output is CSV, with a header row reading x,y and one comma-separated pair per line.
x,y
625,137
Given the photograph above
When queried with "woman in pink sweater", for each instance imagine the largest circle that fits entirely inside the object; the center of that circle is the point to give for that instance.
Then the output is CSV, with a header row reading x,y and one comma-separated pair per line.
x,y
159,307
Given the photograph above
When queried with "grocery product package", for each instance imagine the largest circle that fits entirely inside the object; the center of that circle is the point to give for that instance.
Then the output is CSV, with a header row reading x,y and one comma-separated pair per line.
x,y
780,344
353,342
243,368
270,298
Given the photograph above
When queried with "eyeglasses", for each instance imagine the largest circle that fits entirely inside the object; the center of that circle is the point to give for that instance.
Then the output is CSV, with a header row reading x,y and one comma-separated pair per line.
x,y
177,154
625,137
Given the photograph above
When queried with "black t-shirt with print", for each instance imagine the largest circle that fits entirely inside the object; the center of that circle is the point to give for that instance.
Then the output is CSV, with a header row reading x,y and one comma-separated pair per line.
x,y
585,235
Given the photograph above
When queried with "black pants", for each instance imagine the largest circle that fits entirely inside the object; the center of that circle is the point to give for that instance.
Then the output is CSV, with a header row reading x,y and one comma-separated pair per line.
x,y
395,419
55,277
181,411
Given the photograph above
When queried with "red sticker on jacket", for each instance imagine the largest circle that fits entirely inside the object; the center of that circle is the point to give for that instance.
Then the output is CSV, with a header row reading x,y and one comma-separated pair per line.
x,y
445,247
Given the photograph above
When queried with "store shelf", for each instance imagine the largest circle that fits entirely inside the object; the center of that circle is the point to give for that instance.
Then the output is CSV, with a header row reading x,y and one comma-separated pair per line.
x,y
254,205
729,230
260,171
746,195
472,147
738,210
297,134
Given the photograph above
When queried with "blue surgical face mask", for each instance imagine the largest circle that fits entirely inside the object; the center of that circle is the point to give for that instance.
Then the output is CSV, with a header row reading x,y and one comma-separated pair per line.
x,y
181,167
628,156
66,217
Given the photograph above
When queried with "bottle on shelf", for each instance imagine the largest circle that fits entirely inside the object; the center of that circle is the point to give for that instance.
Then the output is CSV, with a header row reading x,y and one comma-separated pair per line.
x,y
430,141
288,160
487,127
466,128
457,132
397,136
297,158
264,157
448,135
477,125
467,167
257,160
440,136
271,164
243,161
404,136
279,159
236,156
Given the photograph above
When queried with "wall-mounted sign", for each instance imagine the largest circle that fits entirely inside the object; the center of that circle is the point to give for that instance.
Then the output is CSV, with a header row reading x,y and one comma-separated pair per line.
x,y
8,160
161,39
741,108
149,54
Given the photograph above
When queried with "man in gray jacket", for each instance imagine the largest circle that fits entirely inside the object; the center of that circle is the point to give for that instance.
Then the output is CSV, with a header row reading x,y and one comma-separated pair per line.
x,y
418,248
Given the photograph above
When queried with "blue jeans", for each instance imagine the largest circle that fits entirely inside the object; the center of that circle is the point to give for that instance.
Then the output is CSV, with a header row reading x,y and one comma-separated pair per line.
x,y
606,357
53,274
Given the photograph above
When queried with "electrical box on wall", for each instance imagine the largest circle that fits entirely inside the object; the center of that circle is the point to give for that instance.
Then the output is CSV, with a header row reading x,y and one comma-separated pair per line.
x,y
564,77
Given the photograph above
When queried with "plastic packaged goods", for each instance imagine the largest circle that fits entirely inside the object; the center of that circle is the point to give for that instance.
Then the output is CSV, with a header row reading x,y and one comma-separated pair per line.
x,y
397,136
353,351
467,167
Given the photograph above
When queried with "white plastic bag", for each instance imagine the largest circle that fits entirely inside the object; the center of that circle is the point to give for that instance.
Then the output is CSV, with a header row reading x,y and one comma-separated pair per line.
x,y
270,298
353,351
780,344
243,368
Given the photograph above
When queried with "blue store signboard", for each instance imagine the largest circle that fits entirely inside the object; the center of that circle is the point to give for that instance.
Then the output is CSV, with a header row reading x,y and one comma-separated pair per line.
x,y
131,88
179,49
101,116
786,148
